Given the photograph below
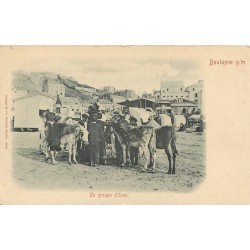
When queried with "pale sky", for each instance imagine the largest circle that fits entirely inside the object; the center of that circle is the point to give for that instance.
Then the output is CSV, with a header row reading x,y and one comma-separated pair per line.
x,y
139,68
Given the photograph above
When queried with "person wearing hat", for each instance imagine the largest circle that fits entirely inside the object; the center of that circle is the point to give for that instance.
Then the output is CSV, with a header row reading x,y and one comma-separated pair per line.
x,y
126,114
134,148
173,122
94,110
96,139
55,137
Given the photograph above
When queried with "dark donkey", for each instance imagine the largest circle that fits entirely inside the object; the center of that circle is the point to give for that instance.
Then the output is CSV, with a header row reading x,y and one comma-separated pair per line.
x,y
164,138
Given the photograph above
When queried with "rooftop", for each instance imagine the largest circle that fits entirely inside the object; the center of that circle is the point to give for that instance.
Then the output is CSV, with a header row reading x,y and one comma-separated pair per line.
x,y
33,94
184,102
199,84
138,99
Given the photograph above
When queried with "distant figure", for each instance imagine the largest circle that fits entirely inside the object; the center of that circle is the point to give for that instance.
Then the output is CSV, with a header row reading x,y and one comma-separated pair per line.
x,y
201,128
182,128
126,114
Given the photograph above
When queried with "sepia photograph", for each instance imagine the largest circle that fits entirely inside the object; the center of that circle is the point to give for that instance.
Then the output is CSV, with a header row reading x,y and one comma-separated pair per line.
x,y
119,123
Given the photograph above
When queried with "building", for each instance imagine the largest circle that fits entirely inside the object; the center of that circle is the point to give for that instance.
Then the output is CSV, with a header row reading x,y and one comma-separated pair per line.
x,y
171,90
139,103
179,105
175,90
195,93
71,107
53,87
162,103
157,94
27,110
108,90
148,95
127,93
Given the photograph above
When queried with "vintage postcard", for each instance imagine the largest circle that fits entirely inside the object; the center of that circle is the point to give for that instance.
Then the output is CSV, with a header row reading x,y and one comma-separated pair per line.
x,y
125,125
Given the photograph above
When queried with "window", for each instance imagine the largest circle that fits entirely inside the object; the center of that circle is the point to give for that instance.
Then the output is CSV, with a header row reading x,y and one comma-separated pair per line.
x,y
182,96
72,109
195,95
181,89
187,96
77,110
193,89
171,96
177,96
167,89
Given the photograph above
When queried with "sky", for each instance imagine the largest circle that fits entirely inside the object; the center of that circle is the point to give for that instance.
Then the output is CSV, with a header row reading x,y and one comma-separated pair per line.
x,y
123,67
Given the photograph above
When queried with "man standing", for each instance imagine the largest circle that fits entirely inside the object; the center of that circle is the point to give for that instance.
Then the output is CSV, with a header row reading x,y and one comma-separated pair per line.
x,y
96,139
134,148
173,122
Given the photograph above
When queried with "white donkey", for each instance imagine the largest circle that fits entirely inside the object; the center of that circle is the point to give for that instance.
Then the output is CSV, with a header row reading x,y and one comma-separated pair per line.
x,y
71,139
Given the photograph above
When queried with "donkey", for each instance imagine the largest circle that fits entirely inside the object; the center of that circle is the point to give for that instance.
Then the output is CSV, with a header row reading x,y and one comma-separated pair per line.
x,y
71,135
164,138
143,136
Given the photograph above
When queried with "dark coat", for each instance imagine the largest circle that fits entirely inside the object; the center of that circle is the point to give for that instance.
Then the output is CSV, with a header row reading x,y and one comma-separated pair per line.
x,y
96,133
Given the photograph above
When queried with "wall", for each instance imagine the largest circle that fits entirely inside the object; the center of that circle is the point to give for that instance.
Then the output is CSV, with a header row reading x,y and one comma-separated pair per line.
x,y
171,95
27,111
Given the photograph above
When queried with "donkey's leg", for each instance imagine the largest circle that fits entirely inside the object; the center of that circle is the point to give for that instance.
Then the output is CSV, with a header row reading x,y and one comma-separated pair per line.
x,y
174,157
74,153
169,158
70,153
147,156
128,160
124,155
46,153
153,159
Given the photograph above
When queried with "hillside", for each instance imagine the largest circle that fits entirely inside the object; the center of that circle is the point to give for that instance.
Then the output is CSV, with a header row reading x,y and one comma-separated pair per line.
x,y
33,81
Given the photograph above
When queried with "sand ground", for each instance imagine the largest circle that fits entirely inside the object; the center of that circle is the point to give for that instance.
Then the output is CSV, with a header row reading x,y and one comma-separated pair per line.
x,y
31,171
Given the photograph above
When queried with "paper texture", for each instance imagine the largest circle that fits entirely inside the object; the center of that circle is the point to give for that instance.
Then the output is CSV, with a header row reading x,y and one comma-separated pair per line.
x,y
211,168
